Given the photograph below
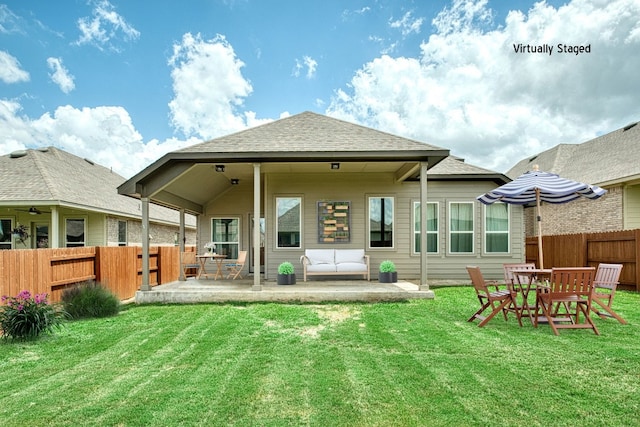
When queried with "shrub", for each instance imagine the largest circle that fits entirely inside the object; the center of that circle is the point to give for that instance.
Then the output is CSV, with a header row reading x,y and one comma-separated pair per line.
x,y
387,267
90,299
26,316
285,268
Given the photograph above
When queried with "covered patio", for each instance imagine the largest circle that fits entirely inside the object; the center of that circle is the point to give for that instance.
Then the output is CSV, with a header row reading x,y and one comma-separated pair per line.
x,y
318,291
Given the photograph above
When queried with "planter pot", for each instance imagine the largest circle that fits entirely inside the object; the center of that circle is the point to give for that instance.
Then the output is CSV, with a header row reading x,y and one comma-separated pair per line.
x,y
388,277
286,279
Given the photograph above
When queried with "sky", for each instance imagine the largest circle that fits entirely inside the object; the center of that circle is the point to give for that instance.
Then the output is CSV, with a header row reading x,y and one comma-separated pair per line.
x,y
124,82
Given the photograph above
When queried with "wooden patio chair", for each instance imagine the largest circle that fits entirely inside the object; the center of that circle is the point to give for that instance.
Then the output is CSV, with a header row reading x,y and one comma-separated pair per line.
x,y
189,264
234,268
490,297
572,288
521,286
604,289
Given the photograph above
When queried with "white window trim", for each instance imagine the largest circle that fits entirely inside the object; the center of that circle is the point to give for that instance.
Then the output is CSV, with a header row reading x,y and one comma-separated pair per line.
x,y
275,226
368,220
473,230
485,232
413,231
85,220
126,232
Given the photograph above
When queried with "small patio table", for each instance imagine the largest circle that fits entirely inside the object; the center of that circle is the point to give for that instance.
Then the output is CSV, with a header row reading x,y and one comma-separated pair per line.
x,y
218,260
531,275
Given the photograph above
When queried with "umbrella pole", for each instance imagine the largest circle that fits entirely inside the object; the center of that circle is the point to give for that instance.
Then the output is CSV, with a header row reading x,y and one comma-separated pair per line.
x,y
540,254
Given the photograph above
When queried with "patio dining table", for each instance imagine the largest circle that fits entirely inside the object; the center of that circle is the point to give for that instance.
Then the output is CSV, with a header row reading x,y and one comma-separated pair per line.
x,y
527,280
218,260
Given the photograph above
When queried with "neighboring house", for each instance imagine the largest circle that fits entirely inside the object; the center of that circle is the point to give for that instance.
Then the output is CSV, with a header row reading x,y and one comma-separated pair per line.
x,y
61,200
611,161
320,182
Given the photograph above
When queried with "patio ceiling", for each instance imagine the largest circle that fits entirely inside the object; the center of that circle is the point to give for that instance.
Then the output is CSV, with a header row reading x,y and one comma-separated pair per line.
x,y
199,183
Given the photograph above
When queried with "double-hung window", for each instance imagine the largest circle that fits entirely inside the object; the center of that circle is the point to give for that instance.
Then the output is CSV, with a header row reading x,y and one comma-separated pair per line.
x,y
225,234
496,228
122,233
381,222
432,227
75,232
461,227
6,239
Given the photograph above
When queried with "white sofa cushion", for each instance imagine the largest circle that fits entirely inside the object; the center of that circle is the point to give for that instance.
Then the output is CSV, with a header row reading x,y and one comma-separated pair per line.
x,y
351,266
350,256
321,268
320,256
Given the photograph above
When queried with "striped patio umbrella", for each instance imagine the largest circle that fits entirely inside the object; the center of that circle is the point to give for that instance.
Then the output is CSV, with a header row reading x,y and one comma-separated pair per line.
x,y
535,187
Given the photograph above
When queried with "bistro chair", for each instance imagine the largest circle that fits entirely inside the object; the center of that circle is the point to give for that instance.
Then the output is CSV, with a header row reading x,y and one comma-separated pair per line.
x,y
605,284
189,264
234,268
571,288
490,297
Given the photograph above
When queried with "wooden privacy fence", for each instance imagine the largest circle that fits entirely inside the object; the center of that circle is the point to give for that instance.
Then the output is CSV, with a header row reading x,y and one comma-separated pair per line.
x,y
589,250
117,268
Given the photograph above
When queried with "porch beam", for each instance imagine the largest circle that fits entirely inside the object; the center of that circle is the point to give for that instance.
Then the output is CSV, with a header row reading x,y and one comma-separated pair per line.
x,y
406,171
257,286
171,200
424,166
145,244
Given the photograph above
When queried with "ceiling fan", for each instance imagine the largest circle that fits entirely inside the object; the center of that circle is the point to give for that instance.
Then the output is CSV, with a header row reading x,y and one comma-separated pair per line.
x,y
33,211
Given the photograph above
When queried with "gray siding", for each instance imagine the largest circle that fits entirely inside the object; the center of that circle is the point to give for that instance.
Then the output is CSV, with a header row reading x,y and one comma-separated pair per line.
x,y
356,188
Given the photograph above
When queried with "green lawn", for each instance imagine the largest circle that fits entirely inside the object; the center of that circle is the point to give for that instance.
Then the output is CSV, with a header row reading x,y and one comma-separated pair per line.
x,y
394,364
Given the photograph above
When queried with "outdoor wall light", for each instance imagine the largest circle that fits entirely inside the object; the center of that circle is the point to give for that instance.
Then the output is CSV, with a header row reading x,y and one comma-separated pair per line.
x,y
235,181
335,166
219,168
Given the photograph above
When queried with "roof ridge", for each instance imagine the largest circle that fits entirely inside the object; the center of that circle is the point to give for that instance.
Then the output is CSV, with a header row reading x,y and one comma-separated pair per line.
x,y
43,171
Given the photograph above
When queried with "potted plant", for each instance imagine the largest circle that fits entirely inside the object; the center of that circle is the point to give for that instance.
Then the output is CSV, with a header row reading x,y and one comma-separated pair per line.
x,y
388,273
286,274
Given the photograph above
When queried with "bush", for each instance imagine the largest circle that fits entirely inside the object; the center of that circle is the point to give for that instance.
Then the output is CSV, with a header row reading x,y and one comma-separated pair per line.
x,y
26,317
285,268
387,267
90,299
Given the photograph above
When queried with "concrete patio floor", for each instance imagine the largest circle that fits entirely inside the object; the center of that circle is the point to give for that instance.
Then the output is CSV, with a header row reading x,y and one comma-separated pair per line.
x,y
200,291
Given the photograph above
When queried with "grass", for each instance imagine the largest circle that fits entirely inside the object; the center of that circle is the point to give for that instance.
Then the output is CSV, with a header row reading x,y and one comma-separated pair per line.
x,y
402,364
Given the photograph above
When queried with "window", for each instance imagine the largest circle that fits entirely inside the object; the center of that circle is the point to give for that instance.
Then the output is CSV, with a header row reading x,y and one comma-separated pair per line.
x,y
42,235
288,223
496,228
122,233
461,227
381,222
432,227
74,232
6,239
225,234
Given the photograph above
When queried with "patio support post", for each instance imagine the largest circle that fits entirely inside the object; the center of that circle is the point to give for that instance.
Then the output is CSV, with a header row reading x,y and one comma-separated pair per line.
x,y
145,244
181,243
257,286
54,238
424,166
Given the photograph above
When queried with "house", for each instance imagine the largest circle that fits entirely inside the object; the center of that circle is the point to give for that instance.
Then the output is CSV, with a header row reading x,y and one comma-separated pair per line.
x,y
277,189
61,200
611,161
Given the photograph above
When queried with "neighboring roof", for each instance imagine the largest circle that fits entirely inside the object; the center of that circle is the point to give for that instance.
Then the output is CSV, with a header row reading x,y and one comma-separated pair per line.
x,y
605,160
454,168
54,177
312,134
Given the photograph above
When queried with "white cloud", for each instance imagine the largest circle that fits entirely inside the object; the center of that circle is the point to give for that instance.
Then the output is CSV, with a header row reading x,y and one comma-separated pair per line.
x,y
60,75
10,70
470,92
104,26
407,24
209,88
307,62
105,135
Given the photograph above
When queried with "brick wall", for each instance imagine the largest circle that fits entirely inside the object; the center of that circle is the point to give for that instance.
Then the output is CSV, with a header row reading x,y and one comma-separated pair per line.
x,y
579,216
161,235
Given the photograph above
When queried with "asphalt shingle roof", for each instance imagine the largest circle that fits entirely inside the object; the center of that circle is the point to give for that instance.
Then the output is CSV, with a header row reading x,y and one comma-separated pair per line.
x,y
607,158
50,175
309,132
